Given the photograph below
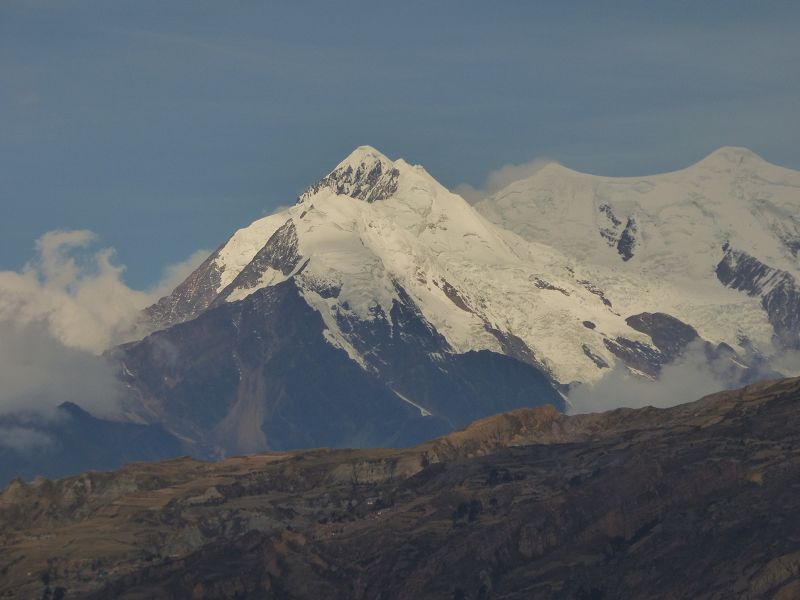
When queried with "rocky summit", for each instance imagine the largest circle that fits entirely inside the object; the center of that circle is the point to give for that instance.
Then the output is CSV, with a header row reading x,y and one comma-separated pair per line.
x,y
696,501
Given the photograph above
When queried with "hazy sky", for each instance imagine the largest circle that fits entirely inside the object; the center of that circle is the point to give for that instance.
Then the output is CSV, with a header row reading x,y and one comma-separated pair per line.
x,y
163,126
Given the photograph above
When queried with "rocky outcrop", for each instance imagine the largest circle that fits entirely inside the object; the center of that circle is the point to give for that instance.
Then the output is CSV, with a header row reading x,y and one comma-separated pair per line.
x,y
617,236
627,240
636,355
778,290
280,253
670,335
594,357
369,180
189,299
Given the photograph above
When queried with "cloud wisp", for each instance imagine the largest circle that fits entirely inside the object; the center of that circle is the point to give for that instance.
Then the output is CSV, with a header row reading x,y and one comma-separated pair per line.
x,y
499,178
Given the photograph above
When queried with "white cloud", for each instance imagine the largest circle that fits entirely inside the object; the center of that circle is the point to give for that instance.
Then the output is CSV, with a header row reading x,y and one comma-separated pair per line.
x,y
787,363
59,314
39,373
689,378
79,295
499,178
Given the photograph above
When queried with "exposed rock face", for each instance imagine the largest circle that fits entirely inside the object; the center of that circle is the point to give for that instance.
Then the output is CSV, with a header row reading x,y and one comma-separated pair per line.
x,y
636,355
513,346
190,298
670,335
598,360
280,253
617,236
370,178
414,359
627,240
694,501
778,290
596,291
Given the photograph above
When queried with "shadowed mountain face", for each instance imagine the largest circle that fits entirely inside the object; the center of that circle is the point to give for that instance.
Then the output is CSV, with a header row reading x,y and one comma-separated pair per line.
x,y
71,440
258,374
778,291
695,501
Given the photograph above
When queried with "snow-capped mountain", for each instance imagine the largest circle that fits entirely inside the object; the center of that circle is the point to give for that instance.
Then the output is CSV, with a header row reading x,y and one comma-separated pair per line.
x,y
686,243
446,312
374,230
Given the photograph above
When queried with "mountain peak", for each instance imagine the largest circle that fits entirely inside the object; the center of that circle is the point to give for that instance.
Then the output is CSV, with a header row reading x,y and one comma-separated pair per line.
x,y
363,155
366,174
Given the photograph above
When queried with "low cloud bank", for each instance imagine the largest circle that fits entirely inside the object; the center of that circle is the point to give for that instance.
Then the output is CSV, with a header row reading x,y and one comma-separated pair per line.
x,y
689,378
39,373
57,315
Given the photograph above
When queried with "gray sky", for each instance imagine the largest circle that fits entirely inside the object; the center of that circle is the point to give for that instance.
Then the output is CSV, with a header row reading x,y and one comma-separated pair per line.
x,y
163,126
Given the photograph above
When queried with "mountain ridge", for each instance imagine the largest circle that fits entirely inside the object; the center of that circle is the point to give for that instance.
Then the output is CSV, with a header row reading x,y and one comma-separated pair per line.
x,y
528,503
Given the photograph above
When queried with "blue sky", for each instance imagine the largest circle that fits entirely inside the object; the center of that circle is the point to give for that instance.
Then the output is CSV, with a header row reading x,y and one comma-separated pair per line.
x,y
164,126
